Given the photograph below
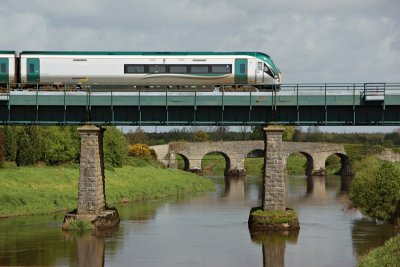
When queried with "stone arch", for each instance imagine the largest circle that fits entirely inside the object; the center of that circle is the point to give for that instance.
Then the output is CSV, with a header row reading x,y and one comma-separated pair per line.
x,y
255,153
186,162
226,157
309,162
344,163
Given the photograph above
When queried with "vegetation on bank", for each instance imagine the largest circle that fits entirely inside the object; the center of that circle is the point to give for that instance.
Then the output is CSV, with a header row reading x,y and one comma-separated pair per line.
x,y
375,189
40,190
387,255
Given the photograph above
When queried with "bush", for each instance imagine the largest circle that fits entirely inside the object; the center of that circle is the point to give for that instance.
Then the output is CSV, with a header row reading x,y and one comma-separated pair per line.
x,y
115,147
2,149
375,190
141,150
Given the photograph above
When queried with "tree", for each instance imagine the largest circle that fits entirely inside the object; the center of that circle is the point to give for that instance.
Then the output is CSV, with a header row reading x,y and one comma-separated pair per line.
x,y
62,144
139,136
375,190
26,152
11,146
288,133
115,147
200,136
2,148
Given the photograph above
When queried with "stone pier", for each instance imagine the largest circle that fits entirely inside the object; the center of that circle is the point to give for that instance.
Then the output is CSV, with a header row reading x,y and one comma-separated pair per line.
x,y
274,170
273,214
91,192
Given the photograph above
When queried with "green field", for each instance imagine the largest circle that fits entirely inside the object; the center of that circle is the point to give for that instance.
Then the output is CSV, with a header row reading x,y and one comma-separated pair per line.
x,y
40,190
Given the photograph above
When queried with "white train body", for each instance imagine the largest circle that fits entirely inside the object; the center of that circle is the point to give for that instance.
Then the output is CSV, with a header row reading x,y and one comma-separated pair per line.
x,y
145,68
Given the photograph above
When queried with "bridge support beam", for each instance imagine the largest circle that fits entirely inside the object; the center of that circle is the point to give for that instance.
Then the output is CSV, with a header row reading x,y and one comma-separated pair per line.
x,y
273,215
91,195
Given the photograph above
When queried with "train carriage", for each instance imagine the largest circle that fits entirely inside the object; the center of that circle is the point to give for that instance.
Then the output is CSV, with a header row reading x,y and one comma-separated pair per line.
x,y
7,67
206,69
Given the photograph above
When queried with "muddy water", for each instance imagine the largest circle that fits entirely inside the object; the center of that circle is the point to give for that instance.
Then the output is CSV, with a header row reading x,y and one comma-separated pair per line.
x,y
204,230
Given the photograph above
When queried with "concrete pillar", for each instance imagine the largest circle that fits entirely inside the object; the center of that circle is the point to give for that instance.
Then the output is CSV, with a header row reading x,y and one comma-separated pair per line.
x,y
274,170
91,196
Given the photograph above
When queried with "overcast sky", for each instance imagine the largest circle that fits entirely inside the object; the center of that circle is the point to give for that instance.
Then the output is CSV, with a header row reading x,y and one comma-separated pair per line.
x,y
309,40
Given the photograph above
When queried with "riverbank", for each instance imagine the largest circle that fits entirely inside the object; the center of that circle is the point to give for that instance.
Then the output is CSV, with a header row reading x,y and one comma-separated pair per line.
x,y
388,255
43,190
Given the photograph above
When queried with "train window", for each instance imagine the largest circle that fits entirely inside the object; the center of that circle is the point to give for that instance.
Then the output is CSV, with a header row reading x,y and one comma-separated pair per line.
x,y
178,68
242,68
260,66
199,69
222,69
134,68
31,68
3,68
157,68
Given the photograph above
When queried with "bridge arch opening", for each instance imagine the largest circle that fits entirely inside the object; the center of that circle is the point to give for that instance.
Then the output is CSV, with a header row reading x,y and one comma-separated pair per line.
x,y
215,163
337,164
299,163
254,162
182,162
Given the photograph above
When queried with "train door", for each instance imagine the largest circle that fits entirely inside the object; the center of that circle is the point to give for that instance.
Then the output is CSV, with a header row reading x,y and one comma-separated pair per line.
x,y
33,70
4,70
240,71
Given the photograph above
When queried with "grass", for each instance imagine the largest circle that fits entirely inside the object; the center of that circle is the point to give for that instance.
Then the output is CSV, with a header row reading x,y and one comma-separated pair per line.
x,y
387,255
41,190
275,217
79,225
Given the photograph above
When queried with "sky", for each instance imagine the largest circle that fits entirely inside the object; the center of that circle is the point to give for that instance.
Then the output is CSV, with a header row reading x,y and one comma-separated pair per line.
x,y
309,40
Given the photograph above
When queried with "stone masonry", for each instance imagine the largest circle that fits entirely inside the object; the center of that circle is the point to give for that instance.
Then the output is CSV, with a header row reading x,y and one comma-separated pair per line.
x,y
91,196
274,170
235,153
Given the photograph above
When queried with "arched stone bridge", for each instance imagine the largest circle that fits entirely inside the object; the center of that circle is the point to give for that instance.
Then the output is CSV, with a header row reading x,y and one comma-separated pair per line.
x,y
235,153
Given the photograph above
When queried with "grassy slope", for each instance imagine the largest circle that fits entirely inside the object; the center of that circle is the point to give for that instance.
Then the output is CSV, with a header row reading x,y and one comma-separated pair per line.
x,y
35,190
388,255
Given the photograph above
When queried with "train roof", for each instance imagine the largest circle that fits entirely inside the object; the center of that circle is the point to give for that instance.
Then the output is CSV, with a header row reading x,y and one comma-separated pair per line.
x,y
144,53
6,52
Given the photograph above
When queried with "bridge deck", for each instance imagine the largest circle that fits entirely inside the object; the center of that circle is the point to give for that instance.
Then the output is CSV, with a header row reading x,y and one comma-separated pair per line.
x,y
315,104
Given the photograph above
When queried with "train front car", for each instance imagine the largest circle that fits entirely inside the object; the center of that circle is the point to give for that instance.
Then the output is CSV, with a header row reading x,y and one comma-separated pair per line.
x,y
271,76
7,69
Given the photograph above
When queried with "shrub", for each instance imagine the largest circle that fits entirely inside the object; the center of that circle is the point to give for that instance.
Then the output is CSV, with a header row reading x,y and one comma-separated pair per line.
x,y
115,147
375,190
2,149
141,150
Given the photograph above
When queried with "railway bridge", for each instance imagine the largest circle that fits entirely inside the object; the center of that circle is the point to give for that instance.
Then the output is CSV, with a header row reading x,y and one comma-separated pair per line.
x,y
294,104
235,152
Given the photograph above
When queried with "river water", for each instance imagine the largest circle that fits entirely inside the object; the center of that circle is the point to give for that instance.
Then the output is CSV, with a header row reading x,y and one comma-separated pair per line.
x,y
207,229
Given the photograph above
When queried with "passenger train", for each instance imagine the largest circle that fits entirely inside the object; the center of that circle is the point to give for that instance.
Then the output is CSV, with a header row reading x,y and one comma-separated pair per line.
x,y
134,69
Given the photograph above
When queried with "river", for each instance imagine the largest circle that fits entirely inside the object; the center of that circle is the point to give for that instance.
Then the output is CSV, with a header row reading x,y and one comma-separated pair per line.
x,y
207,229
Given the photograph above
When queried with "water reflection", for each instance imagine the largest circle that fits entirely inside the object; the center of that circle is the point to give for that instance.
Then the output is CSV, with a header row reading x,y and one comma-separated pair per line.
x,y
204,230
367,234
235,187
274,245
90,246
